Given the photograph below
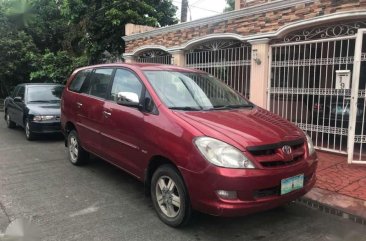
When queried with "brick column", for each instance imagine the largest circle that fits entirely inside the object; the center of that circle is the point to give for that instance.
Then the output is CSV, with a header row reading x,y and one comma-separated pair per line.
x,y
179,58
259,72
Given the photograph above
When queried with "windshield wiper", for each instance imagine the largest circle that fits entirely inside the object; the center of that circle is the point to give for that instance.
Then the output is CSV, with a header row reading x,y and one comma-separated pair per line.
x,y
39,101
227,107
185,108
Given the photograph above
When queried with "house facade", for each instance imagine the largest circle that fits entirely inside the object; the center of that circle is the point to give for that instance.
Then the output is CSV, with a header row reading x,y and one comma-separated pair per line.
x,y
304,60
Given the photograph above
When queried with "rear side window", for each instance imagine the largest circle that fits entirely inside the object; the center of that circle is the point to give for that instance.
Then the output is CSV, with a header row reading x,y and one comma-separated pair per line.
x,y
79,80
99,82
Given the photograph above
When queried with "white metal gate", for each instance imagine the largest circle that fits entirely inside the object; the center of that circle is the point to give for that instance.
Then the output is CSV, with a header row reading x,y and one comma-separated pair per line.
x,y
309,84
227,60
154,56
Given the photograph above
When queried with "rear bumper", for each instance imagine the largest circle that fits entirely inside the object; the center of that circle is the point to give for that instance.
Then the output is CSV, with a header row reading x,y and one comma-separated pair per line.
x,y
46,127
257,189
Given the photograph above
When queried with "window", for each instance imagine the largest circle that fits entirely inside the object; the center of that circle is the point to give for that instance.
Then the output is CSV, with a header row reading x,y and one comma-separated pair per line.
x,y
79,80
14,92
196,91
44,93
99,82
21,92
125,81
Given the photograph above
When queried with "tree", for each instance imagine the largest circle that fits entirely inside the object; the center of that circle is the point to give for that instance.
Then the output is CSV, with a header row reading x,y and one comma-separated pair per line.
x,y
230,5
44,40
55,67
15,50
102,21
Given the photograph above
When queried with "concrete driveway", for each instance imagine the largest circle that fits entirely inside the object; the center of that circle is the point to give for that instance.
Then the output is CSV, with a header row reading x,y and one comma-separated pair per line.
x,y
101,202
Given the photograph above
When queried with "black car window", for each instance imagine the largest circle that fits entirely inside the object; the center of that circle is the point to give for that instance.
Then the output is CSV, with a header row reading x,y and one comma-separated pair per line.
x,y
44,93
14,92
125,81
21,92
99,82
79,80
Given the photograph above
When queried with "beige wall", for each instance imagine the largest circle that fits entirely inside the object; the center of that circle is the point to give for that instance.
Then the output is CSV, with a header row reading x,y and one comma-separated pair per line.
x,y
133,29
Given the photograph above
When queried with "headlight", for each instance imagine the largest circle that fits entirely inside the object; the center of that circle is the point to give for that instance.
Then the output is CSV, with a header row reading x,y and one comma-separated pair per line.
x,y
44,117
221,154
310,145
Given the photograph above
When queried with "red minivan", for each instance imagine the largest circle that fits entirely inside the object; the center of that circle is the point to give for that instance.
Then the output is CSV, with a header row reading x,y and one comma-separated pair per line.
x,y
194,142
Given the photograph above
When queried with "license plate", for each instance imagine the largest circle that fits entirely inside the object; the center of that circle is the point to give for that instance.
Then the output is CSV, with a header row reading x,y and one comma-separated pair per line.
x,y
292,183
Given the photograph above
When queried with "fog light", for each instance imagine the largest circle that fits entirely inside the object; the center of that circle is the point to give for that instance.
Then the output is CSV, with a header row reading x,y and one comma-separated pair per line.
x,y
227,194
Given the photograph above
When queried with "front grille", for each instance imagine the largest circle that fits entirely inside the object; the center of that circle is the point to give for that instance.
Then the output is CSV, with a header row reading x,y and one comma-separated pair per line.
x,y
271,156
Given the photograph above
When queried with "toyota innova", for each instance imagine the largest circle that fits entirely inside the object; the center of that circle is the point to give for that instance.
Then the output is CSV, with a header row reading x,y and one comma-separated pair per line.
x,y
194,142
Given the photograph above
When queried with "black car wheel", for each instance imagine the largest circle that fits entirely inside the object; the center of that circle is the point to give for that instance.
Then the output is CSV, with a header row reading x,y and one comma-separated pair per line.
x,y
77,155
28,131
9,123
170,196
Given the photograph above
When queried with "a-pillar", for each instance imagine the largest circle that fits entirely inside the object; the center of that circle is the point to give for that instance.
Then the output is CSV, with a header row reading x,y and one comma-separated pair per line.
x,y
259,72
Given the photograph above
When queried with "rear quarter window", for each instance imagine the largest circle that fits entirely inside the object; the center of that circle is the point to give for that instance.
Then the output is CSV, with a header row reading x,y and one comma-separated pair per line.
x,y
79,80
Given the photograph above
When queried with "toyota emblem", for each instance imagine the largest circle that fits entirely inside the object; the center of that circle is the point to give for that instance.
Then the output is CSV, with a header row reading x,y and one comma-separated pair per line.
x,y
287,150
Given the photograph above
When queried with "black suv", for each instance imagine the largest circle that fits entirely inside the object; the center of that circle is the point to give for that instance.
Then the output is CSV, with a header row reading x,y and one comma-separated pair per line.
x,y
35,107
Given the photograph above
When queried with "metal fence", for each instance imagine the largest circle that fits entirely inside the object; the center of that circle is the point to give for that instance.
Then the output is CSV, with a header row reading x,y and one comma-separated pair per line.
x,y
304,89
311,85
229,63
155,56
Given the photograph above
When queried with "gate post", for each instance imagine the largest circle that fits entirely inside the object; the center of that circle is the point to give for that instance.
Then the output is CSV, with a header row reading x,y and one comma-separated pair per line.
x,y
354,95
259,72
178,58
129,59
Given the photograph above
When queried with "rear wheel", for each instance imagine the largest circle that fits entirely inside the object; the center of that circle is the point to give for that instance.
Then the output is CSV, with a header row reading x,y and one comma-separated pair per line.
x,y
28,131
170,197
77,155
9,123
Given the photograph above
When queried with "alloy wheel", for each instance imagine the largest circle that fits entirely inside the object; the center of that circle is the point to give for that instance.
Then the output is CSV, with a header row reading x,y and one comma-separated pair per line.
x,y
168,196
73,148
27,130
8,119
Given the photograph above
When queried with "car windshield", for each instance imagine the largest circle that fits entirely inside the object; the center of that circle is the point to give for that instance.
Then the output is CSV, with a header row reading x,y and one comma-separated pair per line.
x,y
194,91
44,93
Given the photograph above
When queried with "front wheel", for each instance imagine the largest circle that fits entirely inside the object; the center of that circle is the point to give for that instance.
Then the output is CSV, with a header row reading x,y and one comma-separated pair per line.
x,y
77,155
28,131
9,123
170,196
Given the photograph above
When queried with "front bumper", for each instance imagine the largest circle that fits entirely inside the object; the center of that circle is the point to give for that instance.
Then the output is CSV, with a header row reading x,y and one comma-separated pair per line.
x,y
257,189
43,127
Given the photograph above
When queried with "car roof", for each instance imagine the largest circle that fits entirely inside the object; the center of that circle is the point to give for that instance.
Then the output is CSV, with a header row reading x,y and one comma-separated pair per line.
x,y
146,66
39,84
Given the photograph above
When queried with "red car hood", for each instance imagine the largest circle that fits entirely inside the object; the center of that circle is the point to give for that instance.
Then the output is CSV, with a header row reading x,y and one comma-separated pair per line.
x,y
246,127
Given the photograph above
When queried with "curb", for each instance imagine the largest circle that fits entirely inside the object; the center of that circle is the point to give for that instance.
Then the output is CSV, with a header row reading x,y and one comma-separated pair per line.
x,y
336,204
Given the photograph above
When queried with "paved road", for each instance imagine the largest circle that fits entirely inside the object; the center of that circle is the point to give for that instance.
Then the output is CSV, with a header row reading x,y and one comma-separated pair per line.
x,y
100,202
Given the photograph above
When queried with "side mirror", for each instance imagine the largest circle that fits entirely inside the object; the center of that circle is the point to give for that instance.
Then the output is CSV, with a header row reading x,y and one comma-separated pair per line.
x,y
18,99
128,99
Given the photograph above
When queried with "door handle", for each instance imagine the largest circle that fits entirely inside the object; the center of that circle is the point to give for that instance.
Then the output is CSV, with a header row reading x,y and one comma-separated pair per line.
x,y
79,104
107,114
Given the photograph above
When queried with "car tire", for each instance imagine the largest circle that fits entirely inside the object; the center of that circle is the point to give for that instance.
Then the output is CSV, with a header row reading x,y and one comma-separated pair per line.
x,y
9,123
170,197
29,135
77,155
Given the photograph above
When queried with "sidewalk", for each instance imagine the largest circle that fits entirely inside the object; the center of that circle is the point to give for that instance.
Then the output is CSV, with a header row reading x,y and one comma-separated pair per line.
x,y
340,186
